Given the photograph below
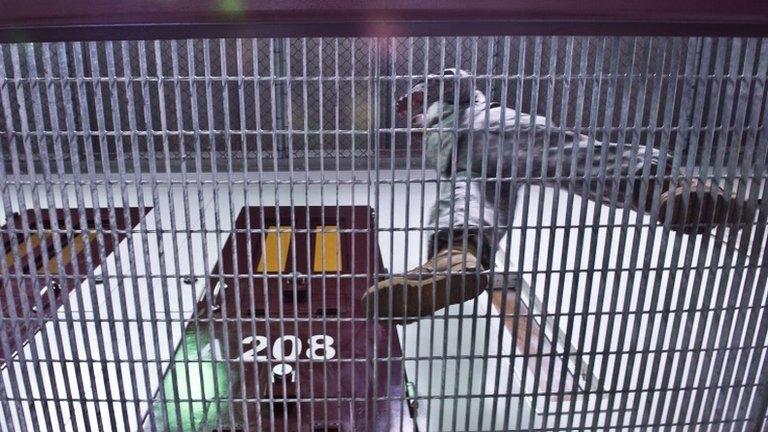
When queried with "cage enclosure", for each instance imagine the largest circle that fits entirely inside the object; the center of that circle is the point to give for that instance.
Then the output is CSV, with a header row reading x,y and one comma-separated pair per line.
x,y
425,216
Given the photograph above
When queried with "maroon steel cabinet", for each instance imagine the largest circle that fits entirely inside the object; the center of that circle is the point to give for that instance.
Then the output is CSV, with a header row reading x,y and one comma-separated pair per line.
x,y
308,353
26,272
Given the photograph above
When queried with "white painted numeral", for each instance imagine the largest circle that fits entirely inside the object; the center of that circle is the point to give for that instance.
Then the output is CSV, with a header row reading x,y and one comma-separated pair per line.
x,y
278,348
321,348
261,345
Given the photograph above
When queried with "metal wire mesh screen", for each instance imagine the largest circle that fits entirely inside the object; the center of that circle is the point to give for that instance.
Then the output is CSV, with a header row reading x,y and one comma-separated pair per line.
x,y
227,234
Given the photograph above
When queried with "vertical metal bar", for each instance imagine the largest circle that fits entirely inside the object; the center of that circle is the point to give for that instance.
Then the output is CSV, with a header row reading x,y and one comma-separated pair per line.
x,y
354,273
122,172
277,56
422,185
197,320
545,174
554,216
719,331
407,225
734,320
618,178
598,196
669,106
217,231
149,276
197,132
512,198
17,263
710,383
572,179
529,140
371,256
193,275
260,183
31,171
751,176
386,86
439,184
699,274
452,220
531,173
132,255
7,412
5,408
106,169
175,244
703,59
232,234
65,198
274,64
294,280
337,126
685,110
246,211
623,392
35,279
759,404
757,413
587,178
95,203
4,393
321,145
13,320
29,310
74,155
490,66
376,130
390,85
305,104
465,240
743,178
718,250
505,285
660,402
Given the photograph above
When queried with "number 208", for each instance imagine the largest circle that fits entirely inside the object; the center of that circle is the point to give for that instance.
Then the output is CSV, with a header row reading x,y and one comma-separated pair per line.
x,y
288,348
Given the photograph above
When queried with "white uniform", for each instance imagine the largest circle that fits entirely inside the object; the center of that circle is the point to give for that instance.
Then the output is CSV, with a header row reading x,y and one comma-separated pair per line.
x,y
477,147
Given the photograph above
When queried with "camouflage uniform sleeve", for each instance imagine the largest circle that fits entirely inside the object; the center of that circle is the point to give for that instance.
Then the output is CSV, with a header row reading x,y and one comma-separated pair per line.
x,y
440,144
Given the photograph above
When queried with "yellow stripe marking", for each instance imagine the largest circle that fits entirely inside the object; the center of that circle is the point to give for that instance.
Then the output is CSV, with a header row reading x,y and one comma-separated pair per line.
x,y
68,252
275,253
34,241
327,250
